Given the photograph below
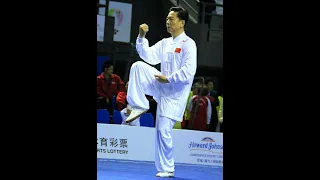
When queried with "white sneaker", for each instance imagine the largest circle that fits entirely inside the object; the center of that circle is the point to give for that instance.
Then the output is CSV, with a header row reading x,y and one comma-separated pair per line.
x,y
135,113
165,174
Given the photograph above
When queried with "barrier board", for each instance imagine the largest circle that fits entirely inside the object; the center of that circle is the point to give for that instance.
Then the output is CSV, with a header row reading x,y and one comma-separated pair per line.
x,y
137,143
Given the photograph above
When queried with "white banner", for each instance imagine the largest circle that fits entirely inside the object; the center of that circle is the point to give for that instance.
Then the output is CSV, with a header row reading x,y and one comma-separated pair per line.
x,y
122,13
198,147
137,143
100,27
125,142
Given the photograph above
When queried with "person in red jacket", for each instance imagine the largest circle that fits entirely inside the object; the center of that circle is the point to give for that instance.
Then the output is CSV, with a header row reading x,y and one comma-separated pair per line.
x,y
202,116
108,85
122,98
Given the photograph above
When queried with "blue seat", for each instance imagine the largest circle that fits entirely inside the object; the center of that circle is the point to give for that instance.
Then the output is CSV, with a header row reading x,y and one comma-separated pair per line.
x,y
147,120
117,119
103,116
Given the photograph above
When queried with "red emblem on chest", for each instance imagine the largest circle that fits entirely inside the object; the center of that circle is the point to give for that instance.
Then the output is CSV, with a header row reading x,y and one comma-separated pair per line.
x,y
177,50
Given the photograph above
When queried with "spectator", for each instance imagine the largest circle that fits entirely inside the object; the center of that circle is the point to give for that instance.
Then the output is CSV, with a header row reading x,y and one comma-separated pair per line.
x,y
200,114
213,96
220,113
108,85
122,98
186,117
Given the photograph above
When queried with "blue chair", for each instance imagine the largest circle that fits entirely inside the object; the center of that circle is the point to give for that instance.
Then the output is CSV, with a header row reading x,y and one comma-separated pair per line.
x,y
103,116
117,118
147,120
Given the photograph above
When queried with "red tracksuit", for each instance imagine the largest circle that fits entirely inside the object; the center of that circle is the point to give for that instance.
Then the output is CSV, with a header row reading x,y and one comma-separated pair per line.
x,y
200,120
112,88
121,100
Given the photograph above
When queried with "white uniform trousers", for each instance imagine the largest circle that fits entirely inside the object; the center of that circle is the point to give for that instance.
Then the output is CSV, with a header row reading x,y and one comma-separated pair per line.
x,y
164,146
141,82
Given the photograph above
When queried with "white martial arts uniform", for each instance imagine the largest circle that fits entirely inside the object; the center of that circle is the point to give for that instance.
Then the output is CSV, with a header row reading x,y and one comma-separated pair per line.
x,y
178,58
124,116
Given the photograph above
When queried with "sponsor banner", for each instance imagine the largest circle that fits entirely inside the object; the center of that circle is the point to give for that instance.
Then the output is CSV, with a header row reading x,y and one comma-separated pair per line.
x,y
198,147
137,143
125,142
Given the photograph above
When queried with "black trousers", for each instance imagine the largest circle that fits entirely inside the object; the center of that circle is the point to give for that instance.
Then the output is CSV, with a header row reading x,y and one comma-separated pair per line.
x,y
213,122
153,109
102,104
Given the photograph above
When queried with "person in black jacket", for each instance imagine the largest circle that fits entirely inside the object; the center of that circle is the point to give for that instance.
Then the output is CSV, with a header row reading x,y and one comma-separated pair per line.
x,y
213,96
